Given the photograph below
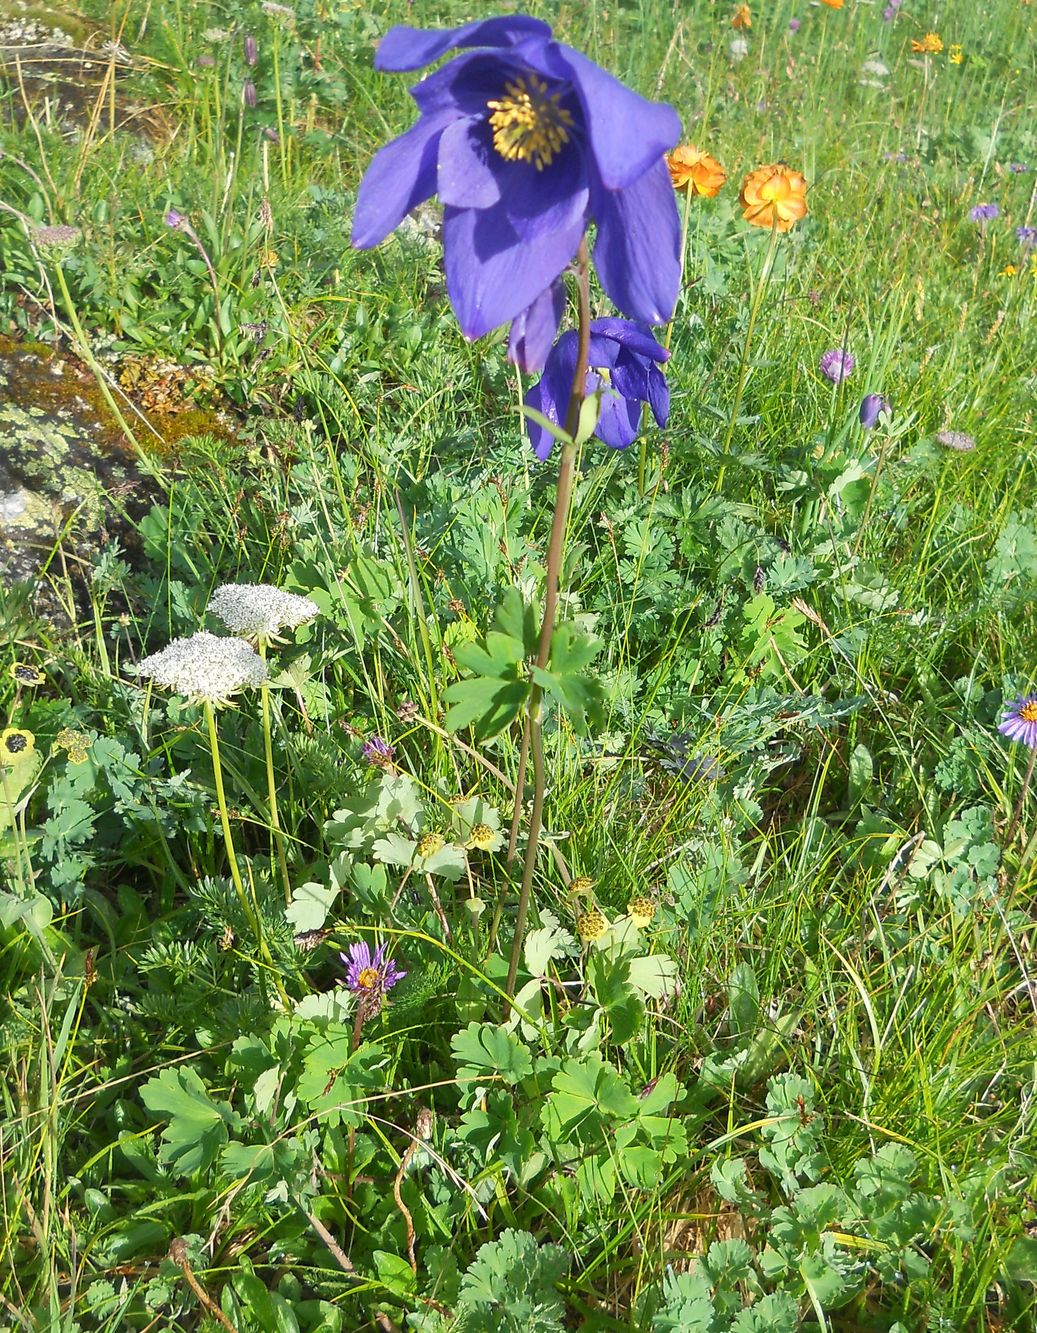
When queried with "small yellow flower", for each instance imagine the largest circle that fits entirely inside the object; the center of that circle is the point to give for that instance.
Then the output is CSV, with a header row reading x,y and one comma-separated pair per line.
x,y
955,54
25,674
75,742
483,838
695,171
774,196
1009,271
590,926
930,45
430,844
742,17
581,884
269,259
15,745
641,911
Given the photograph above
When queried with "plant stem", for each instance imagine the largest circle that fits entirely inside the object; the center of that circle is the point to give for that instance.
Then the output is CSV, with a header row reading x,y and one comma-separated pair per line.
x,y
532,736
743,368
271,786
1022,797
251,910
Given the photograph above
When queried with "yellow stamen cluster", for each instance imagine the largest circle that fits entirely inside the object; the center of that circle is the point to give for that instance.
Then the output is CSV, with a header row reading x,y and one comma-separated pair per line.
x,y
591,926
529,125
482,837
430,844
641,911
368,978
581,884
1028,712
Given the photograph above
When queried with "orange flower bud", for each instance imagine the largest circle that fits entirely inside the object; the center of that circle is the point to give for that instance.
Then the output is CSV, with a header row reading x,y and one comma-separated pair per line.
x,y
697,171
742,17
773,196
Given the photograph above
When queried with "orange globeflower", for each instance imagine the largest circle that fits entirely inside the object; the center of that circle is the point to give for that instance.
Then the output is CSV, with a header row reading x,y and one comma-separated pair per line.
x,y
774,196
930,44
833,4
742,17
698,172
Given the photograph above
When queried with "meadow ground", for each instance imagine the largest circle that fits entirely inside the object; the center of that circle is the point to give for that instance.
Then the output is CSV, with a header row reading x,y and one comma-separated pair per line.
x,y
771,1060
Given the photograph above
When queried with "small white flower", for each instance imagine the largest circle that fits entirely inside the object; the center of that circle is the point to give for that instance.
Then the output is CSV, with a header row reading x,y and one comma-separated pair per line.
x,y
739,49
875,68
259,610
205,667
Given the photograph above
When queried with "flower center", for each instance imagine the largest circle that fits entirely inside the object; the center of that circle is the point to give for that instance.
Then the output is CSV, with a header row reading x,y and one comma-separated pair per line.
x,y
368,979
1028,712
16,743
528,124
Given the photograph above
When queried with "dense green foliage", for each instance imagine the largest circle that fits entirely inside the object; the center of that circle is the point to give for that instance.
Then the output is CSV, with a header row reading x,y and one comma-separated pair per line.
x,y
802,1094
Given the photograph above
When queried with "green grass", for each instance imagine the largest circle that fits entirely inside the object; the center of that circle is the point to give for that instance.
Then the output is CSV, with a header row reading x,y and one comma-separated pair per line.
x,y
843,904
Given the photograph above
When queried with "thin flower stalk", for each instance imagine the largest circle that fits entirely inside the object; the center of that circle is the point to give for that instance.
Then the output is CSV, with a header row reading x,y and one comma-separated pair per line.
x,y
250,909
271,786
743,367
532,735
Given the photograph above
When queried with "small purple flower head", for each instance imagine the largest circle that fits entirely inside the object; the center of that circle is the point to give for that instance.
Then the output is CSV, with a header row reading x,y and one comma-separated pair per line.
x,y
251,51
526,142
1027,236
889,13
378,752
175,220
1018,167
622,364
368,974
984,212
248,93
205,62
837,364
872,406
1020,721
270,133
793,25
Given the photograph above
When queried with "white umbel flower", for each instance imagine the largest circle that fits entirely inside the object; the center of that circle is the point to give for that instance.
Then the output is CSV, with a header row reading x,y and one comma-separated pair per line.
x,y
259,610
205,667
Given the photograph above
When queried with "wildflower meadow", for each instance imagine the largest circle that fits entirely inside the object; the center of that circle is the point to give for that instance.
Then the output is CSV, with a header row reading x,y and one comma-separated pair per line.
x,y
518,689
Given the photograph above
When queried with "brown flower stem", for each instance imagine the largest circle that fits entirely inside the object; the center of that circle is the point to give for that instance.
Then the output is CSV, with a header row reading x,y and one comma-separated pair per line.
x,y
1022,796
555,552
743,368
178,1254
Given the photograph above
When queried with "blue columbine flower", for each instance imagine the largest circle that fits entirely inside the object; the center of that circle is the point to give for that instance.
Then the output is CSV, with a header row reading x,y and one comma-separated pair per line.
x,y
525,141
621,364
872,406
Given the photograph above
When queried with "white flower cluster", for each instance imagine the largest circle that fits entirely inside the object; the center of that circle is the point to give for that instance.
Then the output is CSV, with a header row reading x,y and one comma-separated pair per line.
x,y
205,667
259,610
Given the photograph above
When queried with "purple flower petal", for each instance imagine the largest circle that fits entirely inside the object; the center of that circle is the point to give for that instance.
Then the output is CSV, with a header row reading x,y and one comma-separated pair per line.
x,y
467,177
627,133
619,420
401,176
492,274
534,329
404,48
637,252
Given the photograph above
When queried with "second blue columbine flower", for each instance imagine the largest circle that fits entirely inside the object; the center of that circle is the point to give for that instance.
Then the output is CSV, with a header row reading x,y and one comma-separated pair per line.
x,y
526,141
623,365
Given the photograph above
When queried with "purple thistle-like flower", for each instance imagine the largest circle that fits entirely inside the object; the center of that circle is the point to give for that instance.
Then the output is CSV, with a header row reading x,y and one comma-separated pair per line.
x,y
175,220
984,212
889,13
370,974
251,50
378,752
1026,236
1020,721
793,25
526,141
872,406
837,364
1018,167
622,364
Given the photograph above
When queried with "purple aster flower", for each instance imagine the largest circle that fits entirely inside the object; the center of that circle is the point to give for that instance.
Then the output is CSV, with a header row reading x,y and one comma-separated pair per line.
x,y
370,974
793,25
1018,167
1027,235
526,141
621,364
837,364
889,13
1020,721
872,405
175,220
251,51
984,212
378,752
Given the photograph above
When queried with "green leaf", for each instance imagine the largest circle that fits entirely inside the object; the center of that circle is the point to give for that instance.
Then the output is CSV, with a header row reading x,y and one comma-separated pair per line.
x,y
310,905
587,1094
581,698
198,1126
485,1050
